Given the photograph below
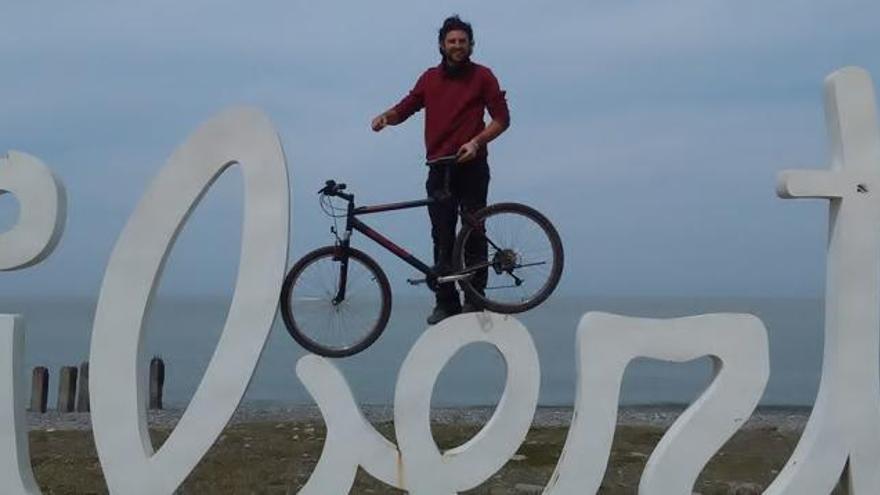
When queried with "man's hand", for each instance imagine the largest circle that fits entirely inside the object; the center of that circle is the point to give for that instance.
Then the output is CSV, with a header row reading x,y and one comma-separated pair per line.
x,y
379,122
468,151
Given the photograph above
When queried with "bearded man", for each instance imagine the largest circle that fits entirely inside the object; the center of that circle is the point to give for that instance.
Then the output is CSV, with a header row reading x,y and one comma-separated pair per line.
x,y
455,94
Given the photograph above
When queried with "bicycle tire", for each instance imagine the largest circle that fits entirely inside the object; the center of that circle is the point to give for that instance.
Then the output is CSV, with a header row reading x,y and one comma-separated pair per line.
x,y
297,328
554,248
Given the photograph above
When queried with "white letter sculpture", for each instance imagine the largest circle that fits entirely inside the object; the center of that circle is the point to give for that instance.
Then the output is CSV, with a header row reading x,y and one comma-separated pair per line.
x,y
42,211
845,423
118,365
416,465
606,344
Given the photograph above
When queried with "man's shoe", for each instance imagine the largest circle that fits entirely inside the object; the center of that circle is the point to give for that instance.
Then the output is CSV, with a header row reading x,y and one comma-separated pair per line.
x,y
440,313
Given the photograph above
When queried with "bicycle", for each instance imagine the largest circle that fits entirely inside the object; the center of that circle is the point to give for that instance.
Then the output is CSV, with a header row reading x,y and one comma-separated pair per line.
x,y
336,300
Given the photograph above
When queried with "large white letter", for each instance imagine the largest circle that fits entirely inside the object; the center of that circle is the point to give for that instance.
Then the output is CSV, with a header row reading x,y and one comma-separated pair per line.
x,y
845,422
426,470
417,465
607,343
118,380
16,475
42,213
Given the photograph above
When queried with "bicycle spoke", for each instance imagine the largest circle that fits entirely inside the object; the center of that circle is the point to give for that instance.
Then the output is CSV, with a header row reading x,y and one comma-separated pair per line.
x,y
519,256
341,325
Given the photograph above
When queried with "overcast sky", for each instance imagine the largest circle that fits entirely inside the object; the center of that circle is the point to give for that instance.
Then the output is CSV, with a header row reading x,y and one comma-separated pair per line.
x,y
651,133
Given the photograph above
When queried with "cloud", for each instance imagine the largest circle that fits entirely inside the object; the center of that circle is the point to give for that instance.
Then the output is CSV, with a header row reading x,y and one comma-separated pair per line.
x,y
675,116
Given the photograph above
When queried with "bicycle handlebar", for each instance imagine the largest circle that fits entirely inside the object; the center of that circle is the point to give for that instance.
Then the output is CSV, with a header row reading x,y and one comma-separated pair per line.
x,y
331,188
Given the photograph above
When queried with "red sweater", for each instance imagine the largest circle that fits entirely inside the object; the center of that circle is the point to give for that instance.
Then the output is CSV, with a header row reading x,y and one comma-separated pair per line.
x,y
454,107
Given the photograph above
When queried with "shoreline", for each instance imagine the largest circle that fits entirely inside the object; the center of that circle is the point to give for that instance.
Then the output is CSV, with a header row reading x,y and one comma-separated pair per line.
x,y
782,418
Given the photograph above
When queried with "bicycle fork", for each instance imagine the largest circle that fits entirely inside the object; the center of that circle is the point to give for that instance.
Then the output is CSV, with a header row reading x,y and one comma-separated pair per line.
x,y
341,254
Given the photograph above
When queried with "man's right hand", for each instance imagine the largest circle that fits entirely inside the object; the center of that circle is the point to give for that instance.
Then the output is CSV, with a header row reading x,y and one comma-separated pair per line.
x,y
380,122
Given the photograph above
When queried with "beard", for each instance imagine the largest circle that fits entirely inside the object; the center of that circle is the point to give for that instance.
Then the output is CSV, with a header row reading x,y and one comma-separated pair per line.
x,y
455,69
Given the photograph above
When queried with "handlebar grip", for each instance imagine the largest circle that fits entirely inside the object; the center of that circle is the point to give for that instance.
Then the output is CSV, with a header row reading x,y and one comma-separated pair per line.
x,y
329,187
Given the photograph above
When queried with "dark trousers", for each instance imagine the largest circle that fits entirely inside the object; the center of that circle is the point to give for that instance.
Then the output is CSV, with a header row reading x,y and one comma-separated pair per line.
x,y
468,188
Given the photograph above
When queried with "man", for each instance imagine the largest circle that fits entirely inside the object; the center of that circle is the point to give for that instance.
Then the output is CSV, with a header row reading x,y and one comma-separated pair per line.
x,y
455,95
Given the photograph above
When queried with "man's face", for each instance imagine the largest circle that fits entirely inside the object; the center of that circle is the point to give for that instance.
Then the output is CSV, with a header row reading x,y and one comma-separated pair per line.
x,y
456,46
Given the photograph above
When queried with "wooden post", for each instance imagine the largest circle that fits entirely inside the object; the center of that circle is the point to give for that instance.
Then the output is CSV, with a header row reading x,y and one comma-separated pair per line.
x,y
82,395
39,389
157,382
66,389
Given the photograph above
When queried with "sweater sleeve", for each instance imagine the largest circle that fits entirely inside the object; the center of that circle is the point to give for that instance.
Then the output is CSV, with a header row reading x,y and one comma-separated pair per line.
x,y
413,102
496,99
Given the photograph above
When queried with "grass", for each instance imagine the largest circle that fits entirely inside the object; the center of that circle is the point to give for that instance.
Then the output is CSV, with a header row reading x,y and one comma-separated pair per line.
x,y
278,457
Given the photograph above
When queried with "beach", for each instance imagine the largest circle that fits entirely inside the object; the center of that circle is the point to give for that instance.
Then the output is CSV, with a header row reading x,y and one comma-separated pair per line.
x,y
274,450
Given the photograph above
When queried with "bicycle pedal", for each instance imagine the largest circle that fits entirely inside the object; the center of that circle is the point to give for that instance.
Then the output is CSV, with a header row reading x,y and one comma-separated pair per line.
x,y
416,281
454,278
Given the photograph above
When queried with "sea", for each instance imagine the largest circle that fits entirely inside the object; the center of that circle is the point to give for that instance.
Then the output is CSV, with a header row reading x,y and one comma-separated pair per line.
x,y
184,332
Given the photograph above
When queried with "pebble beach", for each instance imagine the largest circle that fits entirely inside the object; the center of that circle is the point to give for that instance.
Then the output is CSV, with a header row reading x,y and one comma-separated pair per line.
x,y
274,450
785,419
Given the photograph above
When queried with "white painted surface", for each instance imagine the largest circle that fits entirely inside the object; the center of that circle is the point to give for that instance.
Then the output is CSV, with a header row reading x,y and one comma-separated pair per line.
x,y
845,423
418,466
118,365
351,440
15,461
607,343
42,210
428,471
40,223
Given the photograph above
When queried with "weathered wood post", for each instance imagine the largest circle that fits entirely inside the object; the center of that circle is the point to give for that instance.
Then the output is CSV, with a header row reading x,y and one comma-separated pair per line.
x,y
66,389
82,395
157,382
39,389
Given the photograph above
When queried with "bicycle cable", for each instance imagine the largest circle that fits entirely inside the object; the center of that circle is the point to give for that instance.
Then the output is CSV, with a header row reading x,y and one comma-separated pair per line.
x,y
331,210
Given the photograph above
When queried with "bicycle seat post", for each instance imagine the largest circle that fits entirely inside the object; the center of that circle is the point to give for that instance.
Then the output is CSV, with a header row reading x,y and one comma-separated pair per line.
x,y
446,162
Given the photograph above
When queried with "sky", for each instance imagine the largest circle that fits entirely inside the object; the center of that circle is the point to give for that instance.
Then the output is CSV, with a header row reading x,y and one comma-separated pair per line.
x,y
650,133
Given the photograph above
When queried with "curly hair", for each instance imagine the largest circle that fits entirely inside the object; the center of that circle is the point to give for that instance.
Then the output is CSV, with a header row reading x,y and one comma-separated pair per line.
x,y
454,23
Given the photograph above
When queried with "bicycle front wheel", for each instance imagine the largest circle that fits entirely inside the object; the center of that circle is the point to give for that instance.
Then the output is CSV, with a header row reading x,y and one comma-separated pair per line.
x,y
315,317
513,256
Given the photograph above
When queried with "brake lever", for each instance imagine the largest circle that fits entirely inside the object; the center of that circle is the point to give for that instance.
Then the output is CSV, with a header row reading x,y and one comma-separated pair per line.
x,y
328,185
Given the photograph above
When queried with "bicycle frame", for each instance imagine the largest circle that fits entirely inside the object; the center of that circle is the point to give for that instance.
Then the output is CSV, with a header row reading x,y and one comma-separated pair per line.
x,y
353,223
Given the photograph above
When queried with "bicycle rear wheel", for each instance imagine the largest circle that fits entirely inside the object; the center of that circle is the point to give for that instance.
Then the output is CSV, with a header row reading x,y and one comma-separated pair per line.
x,y
514,256
328,327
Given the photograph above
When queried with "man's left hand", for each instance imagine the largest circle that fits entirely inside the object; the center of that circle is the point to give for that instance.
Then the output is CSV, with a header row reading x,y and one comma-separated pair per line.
x,y
468,151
